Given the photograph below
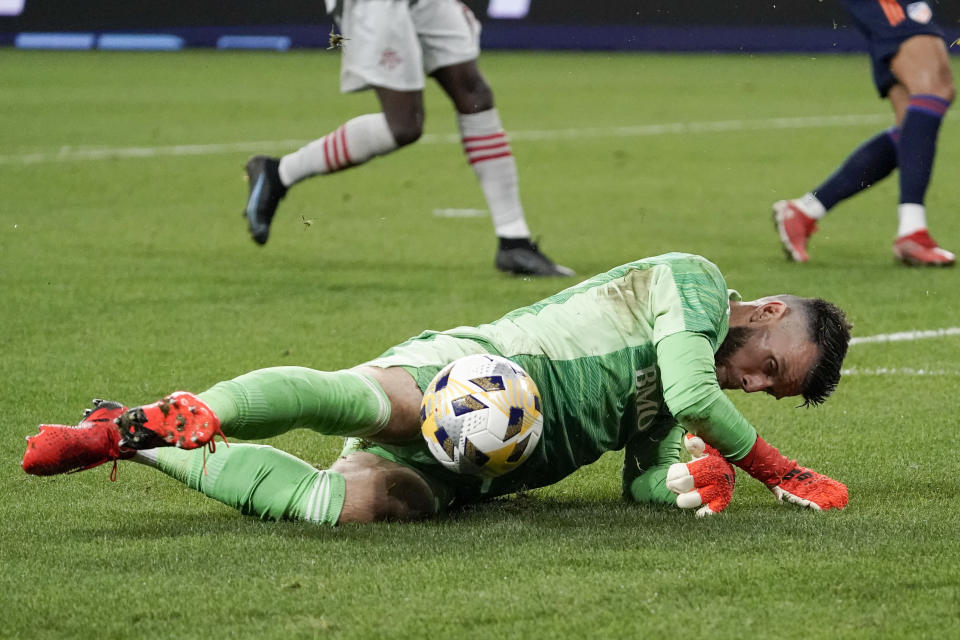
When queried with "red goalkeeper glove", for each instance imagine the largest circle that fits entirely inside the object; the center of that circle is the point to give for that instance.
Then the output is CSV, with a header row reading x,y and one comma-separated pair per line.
x,y
791,482
706,482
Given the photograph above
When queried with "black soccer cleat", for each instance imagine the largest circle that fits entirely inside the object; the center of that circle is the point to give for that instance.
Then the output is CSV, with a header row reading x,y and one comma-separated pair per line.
x,y
524,258
266,192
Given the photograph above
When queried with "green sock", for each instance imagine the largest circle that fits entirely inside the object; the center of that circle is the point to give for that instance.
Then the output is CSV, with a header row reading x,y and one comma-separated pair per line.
x,y
259,480
268,402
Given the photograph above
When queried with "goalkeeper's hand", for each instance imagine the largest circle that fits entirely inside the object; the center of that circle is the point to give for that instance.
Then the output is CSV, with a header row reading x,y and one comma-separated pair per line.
x,y
790,482
706,482
808,488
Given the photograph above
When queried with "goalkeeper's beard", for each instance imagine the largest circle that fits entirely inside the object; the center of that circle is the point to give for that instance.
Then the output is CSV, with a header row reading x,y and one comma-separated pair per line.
x,y
736,338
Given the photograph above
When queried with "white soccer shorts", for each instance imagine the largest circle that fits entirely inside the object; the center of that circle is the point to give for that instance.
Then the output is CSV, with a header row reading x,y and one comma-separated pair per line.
x,y
393,43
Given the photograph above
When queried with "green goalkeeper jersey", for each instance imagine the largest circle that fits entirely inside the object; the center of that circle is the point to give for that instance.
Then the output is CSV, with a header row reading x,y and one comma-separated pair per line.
x,y
619,360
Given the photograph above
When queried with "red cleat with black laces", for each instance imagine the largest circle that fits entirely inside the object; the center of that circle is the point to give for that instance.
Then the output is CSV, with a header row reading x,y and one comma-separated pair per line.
x,y
179,420
794,228
65,449
919,249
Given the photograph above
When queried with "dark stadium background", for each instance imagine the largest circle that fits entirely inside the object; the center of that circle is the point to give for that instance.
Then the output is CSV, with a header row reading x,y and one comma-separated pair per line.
x,y
663,25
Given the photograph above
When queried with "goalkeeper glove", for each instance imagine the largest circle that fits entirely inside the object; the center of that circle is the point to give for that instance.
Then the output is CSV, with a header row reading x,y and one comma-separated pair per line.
x,y
706,482
791,482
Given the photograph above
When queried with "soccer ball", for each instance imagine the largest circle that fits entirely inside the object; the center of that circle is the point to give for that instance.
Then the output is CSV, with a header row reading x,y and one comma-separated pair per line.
x,y
481,416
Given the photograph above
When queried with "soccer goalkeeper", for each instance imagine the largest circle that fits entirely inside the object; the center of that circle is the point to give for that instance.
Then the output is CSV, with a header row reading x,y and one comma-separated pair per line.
x,y
629,359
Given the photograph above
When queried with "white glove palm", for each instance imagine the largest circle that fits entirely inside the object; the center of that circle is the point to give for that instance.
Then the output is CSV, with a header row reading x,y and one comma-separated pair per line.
x,y
706,482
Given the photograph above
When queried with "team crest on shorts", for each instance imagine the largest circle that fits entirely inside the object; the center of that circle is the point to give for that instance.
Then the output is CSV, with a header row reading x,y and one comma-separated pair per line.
x,y
920,12
390,59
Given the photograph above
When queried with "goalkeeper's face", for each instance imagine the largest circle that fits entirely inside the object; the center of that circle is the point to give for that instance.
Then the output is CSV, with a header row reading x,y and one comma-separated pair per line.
x,y
774,358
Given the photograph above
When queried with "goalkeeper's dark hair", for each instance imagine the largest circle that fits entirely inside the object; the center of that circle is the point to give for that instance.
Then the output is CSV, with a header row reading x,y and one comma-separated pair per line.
x,y
828,328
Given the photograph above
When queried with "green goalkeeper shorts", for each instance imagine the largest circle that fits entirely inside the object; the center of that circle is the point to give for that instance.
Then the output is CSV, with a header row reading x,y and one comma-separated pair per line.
x,y
423,356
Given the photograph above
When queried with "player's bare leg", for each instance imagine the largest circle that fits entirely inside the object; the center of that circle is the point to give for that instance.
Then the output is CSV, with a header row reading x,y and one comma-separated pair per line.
x,y
466,87
404,113
378,489
922,65
488,151
920,100
404,396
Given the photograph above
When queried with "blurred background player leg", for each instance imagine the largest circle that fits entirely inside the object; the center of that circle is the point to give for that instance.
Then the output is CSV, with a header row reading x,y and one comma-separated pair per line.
x,y
911,68
449,35
488,152
353,143
921,99
388,46
796,220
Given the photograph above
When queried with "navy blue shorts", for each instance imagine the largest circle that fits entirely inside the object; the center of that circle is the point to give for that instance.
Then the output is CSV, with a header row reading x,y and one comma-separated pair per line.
x,y
887,24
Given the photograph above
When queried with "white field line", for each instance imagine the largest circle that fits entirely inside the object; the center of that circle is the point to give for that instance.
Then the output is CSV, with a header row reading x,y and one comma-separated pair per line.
x,y
903,336
907,336
898,371
74,154
460,213
87,153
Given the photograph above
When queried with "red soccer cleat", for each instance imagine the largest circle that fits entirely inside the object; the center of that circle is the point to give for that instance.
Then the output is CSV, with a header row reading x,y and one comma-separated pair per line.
x,y
794,227
62,449
919,249
179,420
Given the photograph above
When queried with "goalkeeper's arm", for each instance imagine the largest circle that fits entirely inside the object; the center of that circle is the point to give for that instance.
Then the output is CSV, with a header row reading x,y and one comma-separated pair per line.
x,y
694,397
645,466
653,474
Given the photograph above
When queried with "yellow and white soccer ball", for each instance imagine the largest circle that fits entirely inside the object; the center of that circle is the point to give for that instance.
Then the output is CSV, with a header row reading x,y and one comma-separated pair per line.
x,y
481,415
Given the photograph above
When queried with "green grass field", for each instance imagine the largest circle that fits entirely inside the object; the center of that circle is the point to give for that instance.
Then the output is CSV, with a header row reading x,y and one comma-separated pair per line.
x,y
127,272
